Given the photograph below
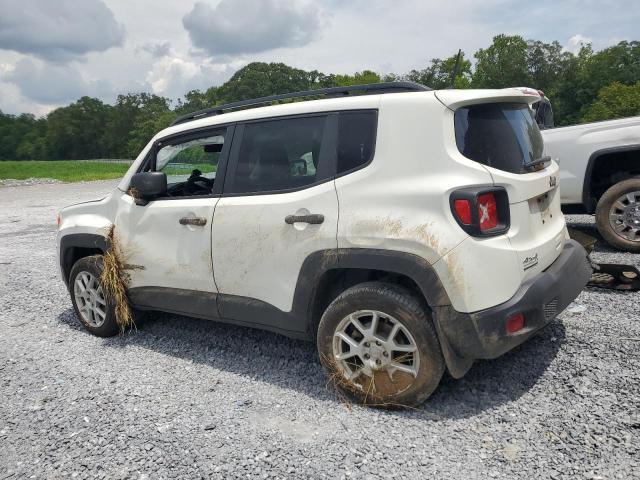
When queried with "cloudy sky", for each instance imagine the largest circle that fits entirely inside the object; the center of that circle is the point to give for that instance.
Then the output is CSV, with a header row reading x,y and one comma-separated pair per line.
x,y
55,51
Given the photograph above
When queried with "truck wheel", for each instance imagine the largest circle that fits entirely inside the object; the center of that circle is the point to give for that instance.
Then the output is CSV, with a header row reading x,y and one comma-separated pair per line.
x,y
93,308
378,345
618,215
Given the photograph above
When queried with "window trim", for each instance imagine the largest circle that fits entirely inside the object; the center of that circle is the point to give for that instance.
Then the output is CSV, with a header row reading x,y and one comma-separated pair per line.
x,y
149,163
327,148
231,150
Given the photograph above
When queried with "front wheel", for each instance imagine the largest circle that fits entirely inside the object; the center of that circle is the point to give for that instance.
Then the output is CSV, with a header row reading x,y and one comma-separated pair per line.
x,y
618,215
95,310
378,345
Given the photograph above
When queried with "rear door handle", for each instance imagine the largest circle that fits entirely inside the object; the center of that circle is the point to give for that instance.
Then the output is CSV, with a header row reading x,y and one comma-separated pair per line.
x,y
197,221
312,218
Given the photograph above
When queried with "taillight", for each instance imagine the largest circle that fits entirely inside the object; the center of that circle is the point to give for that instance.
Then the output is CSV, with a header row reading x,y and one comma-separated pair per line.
x,y
463,211
481,211
487,211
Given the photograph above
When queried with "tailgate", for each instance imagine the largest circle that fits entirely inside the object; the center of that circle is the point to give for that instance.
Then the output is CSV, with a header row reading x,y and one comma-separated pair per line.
x,y
501,134
537,232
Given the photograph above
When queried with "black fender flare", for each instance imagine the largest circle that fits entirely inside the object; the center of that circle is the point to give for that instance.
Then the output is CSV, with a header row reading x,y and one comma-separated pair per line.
x,y
69,243
412,266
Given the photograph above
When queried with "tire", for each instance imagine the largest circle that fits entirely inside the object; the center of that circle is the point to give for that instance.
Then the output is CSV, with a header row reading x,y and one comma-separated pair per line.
x,y
379,383
618,215
86,272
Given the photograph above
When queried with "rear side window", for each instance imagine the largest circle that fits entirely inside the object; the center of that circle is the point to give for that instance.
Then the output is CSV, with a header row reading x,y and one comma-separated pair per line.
x,y
500,135
279,155
356,139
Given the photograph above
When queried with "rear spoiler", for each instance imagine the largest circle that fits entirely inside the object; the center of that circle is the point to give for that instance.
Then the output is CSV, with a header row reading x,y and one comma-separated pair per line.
x,y
457,98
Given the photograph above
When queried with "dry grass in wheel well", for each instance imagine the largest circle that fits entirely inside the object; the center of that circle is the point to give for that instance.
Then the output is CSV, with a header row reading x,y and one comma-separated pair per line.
x,y
115,280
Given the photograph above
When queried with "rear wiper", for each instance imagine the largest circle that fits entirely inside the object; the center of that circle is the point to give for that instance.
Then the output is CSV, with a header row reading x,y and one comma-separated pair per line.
x,y
537,164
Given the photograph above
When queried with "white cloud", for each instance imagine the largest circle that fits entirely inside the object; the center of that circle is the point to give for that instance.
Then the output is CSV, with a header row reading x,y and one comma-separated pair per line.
x,y
58,30
172,46
173,76
576,42
159,50
235,27
49,84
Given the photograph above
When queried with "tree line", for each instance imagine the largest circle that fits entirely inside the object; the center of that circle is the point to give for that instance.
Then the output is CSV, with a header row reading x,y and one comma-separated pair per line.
x,y
586,86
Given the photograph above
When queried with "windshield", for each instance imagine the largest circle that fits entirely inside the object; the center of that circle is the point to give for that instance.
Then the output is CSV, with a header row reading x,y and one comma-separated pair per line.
x,y
500,135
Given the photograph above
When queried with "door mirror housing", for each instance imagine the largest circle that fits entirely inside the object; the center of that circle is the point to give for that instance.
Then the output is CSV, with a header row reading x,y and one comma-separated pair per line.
x,y
147,185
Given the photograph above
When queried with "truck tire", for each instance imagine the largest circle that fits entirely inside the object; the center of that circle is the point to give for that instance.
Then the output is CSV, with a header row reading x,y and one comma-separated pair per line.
x,y
618,215
379,347
95,310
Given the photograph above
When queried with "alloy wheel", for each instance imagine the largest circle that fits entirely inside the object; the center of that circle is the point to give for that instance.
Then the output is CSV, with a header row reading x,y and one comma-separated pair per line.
x,y
90,300
375,353
624,216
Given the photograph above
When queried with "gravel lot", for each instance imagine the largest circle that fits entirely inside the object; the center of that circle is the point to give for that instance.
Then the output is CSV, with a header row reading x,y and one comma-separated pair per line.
x,y
185,398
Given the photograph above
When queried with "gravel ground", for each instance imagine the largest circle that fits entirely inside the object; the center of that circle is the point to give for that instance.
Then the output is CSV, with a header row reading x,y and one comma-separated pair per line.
x,y
185,398
12,182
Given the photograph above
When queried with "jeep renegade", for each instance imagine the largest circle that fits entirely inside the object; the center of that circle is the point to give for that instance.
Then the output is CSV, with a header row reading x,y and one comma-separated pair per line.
x,y
407,231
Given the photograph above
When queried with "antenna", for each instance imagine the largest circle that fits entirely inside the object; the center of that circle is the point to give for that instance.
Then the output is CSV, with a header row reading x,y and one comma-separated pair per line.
x,y
456,69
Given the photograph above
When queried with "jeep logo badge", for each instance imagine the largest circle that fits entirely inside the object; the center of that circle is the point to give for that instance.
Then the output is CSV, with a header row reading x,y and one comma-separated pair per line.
x,y
553,181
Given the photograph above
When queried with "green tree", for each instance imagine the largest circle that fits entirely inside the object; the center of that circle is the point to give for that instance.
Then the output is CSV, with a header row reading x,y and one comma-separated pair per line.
x,y
614,101
197,100
589,72
145,130
547,64
438,74
358,78
502,64
22,137
77,131
127,114
262,79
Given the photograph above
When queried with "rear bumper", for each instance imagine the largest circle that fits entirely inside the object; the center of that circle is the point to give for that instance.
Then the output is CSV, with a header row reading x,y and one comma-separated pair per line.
x,y
483,335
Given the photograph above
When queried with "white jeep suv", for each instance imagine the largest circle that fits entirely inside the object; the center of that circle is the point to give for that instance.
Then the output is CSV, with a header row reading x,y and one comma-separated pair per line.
x,y
407,231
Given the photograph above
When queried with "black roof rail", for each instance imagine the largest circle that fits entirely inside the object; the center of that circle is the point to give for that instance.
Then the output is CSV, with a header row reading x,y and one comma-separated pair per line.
x,y
369,88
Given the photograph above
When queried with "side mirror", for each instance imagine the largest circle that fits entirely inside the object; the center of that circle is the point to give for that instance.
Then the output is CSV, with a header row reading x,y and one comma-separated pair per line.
x,y
147,185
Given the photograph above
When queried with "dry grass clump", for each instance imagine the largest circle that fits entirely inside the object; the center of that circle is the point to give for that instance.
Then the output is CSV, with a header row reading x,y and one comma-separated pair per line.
x,y
375,391
134,192
115,280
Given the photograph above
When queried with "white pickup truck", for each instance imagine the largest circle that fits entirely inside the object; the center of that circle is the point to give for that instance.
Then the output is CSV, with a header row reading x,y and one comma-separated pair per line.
x,y
600,174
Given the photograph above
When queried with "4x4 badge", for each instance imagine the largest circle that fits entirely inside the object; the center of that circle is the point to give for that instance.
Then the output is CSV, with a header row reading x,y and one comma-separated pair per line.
x,y
530,262
553,181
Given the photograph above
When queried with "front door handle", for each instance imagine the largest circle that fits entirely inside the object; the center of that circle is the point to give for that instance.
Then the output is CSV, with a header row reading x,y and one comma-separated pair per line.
x,y
197,221
312,218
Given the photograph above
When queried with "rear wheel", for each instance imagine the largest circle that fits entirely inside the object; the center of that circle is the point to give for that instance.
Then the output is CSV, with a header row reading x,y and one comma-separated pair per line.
x,y
94,309
618,215
379,347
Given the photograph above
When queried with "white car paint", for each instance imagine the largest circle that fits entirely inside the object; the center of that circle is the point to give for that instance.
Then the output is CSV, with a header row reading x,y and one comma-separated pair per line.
x,y
573,146
399,202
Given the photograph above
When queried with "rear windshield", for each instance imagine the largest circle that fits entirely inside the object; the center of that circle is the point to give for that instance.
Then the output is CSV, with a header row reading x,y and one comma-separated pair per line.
x,y
500,135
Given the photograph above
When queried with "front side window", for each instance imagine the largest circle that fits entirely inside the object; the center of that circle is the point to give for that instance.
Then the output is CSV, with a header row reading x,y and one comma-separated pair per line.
x,y
278,155
500,135
190,165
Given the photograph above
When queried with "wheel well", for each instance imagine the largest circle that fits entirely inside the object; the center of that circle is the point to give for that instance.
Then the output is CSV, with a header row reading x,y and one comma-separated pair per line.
x,y
608,169
335,281
73,254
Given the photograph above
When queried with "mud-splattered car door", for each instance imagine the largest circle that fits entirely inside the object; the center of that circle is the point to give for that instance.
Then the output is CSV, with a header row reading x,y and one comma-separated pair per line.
x,y
167,242
279,205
